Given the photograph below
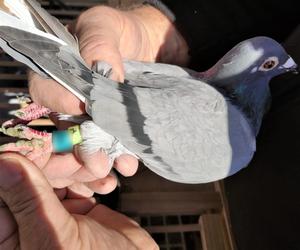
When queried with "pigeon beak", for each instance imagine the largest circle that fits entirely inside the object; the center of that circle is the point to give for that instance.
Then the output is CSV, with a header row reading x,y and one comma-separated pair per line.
x,y
290,66
296,70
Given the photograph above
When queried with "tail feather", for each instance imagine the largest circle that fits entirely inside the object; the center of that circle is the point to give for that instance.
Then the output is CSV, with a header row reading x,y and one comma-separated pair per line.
x,y
43,51
18,9
51,24
9,20
31,13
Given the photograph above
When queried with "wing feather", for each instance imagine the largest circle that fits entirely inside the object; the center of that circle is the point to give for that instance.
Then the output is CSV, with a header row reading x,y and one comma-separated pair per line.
x,y
186,131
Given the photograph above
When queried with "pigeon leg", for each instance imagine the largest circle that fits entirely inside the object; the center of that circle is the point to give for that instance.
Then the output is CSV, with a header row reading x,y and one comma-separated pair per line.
x,y
32,149
25,115
37,143
34,143
24,132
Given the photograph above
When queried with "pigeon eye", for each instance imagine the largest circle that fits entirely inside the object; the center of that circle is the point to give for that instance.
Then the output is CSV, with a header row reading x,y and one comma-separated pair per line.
x,y
269,64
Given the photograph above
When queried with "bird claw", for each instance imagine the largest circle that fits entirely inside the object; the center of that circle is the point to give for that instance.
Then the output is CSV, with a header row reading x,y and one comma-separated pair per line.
x,y
26,114
34,143
24,132
32,149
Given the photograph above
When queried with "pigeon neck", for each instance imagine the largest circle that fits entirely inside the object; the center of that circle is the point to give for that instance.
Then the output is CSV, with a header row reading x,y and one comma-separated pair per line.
x,y
252,96
253,100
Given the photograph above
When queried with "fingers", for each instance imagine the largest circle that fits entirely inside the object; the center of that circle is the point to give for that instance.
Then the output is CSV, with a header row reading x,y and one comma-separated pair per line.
x,y
103,186
83,175
49,93
66,171
42,160
79,206
61,166
92,171
127,165
68,166
96,163
99,30
61,193
30,198
78,190
60,183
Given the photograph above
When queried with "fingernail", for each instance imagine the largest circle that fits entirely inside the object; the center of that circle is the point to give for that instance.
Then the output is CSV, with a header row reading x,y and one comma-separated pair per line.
x,y
10,173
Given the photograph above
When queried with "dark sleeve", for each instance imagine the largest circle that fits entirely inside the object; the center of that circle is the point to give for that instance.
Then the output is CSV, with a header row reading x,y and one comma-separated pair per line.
x,y
211,28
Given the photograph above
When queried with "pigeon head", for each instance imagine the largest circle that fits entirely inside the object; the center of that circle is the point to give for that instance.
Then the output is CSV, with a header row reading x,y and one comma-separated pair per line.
x,y
255,58
243,75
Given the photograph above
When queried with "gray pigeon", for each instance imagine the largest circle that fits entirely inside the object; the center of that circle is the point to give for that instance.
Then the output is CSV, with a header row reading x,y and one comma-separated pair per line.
x,y
185,126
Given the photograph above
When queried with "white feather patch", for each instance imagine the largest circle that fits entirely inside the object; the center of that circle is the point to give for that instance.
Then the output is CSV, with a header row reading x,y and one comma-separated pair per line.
x,y
19,9
94,139
14,22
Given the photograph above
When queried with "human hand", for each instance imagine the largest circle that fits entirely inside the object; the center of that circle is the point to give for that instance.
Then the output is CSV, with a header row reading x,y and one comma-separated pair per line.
x,y
33,217
141,34
109,35
83,173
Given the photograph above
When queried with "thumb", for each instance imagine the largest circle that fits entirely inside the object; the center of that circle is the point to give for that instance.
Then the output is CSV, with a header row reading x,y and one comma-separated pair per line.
x,y
35,207
108,53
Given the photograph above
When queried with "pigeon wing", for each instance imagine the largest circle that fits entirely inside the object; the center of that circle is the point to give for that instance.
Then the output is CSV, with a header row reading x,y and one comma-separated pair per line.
x,y
135,68
185,130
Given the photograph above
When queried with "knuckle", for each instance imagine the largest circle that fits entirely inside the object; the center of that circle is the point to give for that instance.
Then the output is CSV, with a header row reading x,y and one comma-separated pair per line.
x,y
101,172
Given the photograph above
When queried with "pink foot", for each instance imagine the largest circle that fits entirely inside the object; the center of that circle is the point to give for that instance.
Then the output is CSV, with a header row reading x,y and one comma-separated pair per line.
x,y
24,132
25,115
32,149
37,143
31,112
